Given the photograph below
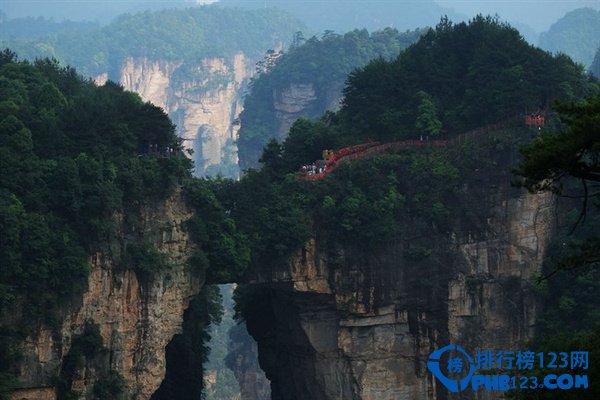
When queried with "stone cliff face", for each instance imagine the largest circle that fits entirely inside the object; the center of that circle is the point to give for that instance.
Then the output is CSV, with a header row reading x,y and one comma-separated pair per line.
x,y
136,316
289,103
364,328
203,100
303,101
244,364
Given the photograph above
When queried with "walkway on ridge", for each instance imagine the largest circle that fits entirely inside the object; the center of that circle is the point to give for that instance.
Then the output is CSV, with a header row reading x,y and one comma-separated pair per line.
x,y
373,148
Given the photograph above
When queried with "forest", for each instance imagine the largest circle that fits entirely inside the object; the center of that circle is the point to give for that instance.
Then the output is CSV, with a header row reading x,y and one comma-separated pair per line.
x,y
71,154
172,35
323,63
456,78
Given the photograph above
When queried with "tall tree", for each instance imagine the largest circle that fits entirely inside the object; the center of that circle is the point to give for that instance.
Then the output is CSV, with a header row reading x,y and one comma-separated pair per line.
x,y
427,120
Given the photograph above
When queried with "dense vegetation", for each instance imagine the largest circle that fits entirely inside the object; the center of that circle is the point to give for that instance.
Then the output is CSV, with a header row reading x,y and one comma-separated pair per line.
x,y
456,77
181,35
71,155
31,27
577,34
74,156
222,246
323,63
475,74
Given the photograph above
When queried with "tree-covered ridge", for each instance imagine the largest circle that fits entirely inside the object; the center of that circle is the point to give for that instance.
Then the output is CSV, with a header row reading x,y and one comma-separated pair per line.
x,y
342,15
177,34
456,77
71,156
408,208
79,163
30,27
577,34
474,73
365,204
323,63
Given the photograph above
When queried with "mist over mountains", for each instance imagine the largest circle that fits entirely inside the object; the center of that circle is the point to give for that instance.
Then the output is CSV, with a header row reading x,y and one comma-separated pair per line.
x,y
531,17
342,15
98,11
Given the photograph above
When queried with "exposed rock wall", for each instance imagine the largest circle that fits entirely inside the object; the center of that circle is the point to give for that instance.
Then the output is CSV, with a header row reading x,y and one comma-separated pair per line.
x,y
292,103
364,328
206,109
285,105
203,100
136,317
254,385
303,101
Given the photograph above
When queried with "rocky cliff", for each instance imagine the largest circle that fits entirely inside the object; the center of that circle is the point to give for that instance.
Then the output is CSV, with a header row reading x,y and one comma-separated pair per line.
x,y
302,101
136,316
204,100
362,328
243,361
284,105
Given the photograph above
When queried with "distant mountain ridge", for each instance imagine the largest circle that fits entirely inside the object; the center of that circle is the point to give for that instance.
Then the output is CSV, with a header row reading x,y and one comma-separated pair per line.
x,y
98,11
194,63
342,16
577,34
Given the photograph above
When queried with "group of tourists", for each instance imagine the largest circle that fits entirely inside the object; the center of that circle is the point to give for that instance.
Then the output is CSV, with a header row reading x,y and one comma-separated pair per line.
x,y
318,167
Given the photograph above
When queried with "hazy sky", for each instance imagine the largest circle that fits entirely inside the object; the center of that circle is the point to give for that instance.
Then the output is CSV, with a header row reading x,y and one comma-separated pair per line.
x,y
538,14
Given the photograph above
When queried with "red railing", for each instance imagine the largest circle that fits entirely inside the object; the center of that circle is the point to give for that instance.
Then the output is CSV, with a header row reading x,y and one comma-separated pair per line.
x,y
374,148
369,150
534,120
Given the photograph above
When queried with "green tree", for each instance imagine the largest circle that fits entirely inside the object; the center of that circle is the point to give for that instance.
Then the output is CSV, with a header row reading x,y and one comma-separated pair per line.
x,y
427,121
